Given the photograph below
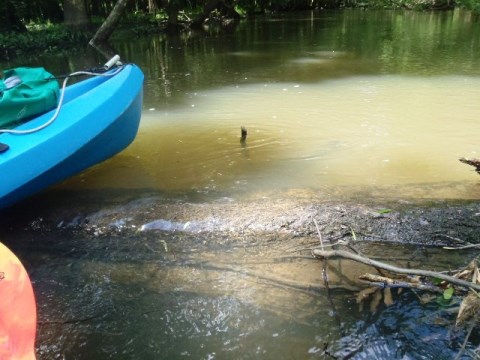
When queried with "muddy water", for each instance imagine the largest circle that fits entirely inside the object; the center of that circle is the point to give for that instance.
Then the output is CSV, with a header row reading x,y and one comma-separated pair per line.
x,y
162,295
363,131
154,255
375,99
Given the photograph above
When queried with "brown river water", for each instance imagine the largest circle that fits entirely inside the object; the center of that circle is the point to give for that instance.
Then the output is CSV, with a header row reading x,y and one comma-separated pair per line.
x,y
333,102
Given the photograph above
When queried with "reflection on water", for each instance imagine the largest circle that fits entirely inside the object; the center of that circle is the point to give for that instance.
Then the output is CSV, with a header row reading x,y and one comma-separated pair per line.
x,y
364,131
178,296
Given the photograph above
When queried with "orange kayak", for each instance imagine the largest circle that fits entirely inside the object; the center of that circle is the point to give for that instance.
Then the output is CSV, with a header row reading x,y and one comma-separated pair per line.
x,y
18,314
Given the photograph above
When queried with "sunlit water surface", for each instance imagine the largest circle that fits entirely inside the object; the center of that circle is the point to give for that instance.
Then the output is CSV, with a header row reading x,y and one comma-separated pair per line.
x,y
364,131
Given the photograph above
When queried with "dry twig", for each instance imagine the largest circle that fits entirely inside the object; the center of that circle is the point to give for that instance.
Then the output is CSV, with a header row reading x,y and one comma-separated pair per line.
x,y
462,247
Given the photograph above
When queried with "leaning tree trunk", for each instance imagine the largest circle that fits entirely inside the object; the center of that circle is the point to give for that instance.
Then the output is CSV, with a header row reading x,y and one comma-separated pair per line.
x,y
109,24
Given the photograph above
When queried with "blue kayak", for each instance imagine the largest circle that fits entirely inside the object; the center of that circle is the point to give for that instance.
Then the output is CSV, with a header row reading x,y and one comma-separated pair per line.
x,y
99,117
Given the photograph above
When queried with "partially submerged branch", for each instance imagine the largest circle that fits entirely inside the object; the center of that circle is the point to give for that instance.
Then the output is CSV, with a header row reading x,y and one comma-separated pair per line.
x,y
470,246
326,254
383,281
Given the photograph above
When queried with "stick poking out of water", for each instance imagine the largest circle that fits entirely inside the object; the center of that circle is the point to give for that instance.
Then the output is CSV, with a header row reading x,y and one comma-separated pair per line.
x,y
243,137
472,162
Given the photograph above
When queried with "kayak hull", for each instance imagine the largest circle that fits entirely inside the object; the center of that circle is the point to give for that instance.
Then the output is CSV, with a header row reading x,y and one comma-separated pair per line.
x,y
100,117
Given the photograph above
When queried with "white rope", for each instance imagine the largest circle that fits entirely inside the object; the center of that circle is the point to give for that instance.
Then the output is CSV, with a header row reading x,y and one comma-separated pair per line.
x,y
60,102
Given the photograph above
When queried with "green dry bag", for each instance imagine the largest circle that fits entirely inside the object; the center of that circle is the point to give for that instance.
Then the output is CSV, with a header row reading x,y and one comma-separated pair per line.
x,y
24,93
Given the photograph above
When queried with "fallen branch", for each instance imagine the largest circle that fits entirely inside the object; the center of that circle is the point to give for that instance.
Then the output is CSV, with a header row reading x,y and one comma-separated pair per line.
x,y
453,238
383,281
462,247
377,264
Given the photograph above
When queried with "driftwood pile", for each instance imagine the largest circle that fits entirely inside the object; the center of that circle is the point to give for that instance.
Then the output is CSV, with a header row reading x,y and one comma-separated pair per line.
x,y
464,282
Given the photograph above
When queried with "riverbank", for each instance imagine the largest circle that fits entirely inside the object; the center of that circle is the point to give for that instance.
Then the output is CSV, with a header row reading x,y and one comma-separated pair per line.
x,y
52,38
261,216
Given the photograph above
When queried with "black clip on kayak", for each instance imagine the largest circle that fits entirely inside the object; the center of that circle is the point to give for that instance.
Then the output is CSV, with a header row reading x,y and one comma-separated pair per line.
x,y
3,147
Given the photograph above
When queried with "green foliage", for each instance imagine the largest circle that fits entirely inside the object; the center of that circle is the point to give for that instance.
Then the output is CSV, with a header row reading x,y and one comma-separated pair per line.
x,y
28,11
384,211
446,298
41,38
472,5
246,8
48,35
409,4
142,23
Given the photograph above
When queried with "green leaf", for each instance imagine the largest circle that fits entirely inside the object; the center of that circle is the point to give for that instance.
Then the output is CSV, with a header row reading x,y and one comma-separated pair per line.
x,y
448,293
353,235
384,211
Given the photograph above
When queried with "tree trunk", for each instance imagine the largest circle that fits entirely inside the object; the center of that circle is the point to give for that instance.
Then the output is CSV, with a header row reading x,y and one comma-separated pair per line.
x,y
172,12
152,7
51,10
172,9
109,24
75,14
